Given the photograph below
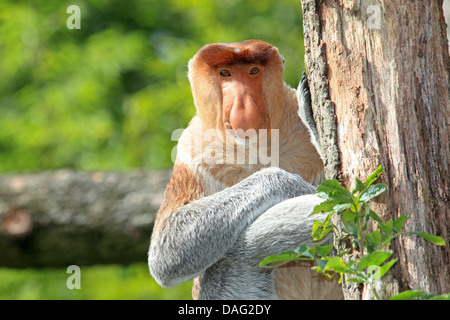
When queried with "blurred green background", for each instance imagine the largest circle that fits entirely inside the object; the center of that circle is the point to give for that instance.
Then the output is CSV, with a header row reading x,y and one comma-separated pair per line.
x,y
108,97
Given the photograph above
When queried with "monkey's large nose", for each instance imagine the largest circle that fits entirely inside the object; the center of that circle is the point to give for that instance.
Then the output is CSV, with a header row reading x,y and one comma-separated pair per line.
x,y
244,117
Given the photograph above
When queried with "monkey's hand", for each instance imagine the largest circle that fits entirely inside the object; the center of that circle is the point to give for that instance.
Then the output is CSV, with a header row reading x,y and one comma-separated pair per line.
x,y
192,238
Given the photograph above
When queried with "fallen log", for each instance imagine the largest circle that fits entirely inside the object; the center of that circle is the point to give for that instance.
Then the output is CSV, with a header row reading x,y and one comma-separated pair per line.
x,y
65,217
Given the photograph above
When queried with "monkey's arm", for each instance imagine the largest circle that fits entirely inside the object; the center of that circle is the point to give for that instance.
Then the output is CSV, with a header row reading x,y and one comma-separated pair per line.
x,y
305,111
188,240
285,226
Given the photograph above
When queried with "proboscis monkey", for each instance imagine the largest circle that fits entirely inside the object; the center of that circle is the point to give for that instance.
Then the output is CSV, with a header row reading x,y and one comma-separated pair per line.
x,y
227,206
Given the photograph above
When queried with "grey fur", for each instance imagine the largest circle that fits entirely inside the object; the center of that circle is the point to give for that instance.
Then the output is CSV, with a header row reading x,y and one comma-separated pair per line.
x,y
194,237
305,111
237,275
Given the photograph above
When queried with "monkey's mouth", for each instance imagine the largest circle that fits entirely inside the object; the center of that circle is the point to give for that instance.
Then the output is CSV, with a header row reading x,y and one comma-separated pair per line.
x,y
233,136
240,133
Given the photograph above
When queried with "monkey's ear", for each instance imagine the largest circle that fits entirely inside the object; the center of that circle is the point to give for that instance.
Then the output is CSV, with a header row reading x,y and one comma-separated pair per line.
x,y
282,59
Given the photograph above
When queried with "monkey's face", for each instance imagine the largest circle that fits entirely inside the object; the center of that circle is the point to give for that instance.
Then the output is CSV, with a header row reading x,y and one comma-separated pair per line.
x,y
238,87
243,106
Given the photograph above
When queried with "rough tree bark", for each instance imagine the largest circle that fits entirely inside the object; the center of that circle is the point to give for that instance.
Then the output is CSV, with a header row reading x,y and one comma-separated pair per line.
x,y
65,217
379,77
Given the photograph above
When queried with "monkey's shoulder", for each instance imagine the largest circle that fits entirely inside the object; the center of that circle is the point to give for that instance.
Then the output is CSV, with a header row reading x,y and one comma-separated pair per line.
x,y
183,187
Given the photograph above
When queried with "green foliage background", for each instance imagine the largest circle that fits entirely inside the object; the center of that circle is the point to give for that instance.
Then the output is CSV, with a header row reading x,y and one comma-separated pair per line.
x,y
109,96
117,282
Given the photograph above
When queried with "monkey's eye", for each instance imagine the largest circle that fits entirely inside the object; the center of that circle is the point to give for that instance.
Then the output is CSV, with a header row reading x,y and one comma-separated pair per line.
x,y
254,70
225,73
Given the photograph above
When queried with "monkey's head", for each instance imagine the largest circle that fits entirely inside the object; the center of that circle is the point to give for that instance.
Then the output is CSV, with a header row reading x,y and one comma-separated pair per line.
x,y
238,86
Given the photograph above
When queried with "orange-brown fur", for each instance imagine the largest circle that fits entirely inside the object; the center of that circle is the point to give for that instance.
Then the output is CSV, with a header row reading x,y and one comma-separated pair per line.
x,y
183,188
254,52
297,154
297,281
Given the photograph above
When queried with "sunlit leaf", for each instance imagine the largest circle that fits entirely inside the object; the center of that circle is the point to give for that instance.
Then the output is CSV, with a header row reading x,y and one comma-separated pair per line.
x,y
432,238
374,259
373,177
335,264
372,192
359,280
384,269
282,257
341,206
319,231
408,295
333,188
330,204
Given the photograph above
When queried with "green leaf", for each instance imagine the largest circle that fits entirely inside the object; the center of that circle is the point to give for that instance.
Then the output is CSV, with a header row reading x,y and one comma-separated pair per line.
x,y
341,207
324,251
322,195
287,256
333,188
328,205
400,222
319,231
303,250
384,269
374,259
364,226
325,206
408,295
445,296
321,264
416,294
373,177
386,227
348,219
359,280
372,192
375,237
351,228
372,214
335,264
310,253
359,186
432,238
281,257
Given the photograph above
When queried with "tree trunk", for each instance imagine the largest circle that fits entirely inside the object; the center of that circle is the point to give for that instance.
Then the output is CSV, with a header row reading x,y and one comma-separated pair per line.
x,y
65,217
379,77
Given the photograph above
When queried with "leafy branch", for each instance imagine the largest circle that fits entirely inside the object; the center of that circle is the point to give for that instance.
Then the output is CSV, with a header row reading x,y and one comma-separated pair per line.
x,y
370,258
